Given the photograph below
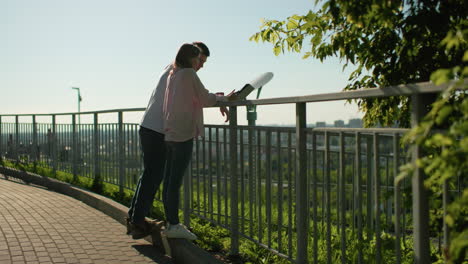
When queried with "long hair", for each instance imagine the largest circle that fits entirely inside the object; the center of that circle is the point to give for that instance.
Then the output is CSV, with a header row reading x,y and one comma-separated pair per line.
x,y
185,55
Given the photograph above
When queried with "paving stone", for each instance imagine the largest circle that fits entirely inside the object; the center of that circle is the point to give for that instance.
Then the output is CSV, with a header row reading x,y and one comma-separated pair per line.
x,y
41,226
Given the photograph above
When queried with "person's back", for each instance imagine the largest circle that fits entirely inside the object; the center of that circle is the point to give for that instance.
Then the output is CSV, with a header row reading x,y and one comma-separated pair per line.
x,y
183,107
153,116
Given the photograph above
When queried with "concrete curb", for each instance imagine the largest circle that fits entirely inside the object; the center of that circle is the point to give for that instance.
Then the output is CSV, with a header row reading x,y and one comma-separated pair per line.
x,y
182,251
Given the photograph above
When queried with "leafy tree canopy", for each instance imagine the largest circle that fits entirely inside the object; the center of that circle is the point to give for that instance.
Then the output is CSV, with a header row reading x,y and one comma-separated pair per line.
x,y
389,42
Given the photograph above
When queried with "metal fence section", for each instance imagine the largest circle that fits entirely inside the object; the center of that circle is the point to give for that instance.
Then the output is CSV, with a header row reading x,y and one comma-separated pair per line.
x,y
309,195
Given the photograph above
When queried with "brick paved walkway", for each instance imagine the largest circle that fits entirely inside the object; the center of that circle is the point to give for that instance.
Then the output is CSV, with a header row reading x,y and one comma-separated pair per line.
x,y
41,226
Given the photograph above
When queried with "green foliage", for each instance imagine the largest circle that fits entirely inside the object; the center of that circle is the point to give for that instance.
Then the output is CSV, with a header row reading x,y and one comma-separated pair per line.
x,y
388,42
392,43
447,157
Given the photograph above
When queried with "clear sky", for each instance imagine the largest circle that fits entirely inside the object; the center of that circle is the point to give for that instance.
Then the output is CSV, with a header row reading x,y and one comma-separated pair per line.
x,y
114,50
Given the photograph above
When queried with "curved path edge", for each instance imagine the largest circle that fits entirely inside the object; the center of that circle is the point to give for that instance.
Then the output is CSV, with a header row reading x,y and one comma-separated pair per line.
x,y
182,251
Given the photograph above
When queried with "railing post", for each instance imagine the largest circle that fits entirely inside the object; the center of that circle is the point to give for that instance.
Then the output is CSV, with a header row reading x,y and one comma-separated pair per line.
x,y
302,204
16,154
121,153
34,151
234,177
97,168
74,149
420,200
53,144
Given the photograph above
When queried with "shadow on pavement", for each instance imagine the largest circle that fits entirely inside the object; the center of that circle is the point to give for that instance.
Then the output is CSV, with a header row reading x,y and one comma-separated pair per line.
x,y
153,253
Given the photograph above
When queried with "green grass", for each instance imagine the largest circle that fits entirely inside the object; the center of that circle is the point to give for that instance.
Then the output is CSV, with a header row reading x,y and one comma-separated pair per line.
x,y
217,239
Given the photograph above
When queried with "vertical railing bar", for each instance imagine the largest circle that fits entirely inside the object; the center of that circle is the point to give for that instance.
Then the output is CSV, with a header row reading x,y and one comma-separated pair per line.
x,y
114,170
67,138
121,151
225,178
210,175
268,184
338,187
16,156
259,187
315,197
205,193
104,151
242,187
40,142
65,131
75,149
302,203
359,193
97,167
234,178
54,139
376,173
290,193
280,192
35,151
369,186
388,201
126,154
323,200
197,177
136,151
328,196
396,158
218,174
342,198
251,181
111,137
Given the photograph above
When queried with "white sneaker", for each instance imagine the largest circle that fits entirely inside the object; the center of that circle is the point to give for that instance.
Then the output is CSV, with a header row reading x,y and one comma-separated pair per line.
x,y
179,231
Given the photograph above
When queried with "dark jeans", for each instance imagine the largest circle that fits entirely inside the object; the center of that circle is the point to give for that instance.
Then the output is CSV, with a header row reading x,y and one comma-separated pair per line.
x,y
154,159
178,158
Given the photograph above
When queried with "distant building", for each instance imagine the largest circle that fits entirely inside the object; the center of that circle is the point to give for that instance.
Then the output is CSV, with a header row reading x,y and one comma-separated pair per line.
x,y
320,124
355,123
339,123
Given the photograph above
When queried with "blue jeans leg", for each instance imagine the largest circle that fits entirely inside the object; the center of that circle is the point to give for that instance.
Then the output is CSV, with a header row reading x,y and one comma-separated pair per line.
x,y
178,158
154,159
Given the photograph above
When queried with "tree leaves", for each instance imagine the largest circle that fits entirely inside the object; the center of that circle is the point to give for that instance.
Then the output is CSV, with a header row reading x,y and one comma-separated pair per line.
x,y
392,43
398,42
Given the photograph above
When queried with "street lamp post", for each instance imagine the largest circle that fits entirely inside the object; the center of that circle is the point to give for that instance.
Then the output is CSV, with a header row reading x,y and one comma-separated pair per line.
x,y
79,100
77,152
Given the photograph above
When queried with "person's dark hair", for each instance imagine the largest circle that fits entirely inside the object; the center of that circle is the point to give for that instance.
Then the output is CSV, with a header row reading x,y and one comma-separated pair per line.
x,y
185,54
204,49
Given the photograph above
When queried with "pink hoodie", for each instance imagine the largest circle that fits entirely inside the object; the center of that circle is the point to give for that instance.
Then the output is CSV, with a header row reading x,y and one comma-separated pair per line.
x,y
183,105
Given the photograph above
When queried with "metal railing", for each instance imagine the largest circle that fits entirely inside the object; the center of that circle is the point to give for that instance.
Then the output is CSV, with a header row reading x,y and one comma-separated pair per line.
x,y
309,195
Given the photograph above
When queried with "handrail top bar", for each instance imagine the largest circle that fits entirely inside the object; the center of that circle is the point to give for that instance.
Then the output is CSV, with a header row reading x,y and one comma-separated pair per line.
x,y
404,89
291,128
84,113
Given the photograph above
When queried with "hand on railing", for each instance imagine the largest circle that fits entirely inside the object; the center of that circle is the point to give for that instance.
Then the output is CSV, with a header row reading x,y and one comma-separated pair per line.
x,y
225,112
